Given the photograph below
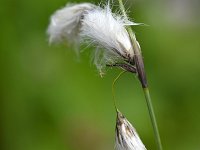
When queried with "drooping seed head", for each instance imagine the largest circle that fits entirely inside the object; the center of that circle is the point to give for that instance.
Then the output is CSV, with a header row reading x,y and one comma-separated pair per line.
x,y
83,23
126,137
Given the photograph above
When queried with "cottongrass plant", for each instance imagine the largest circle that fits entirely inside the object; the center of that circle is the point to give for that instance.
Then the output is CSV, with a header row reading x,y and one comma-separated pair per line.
x,y
116,45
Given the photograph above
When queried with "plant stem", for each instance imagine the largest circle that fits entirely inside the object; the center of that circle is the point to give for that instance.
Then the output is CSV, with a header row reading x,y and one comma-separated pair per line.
x,y
145,87
131,34
153,118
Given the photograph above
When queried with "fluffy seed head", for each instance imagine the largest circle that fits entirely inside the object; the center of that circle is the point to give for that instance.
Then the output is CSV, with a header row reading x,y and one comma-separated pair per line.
x,y
126,137
93,24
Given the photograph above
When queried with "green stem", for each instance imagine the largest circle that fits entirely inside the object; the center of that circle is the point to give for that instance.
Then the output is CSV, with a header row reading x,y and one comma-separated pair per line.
x,y
129,29
146,90
153,118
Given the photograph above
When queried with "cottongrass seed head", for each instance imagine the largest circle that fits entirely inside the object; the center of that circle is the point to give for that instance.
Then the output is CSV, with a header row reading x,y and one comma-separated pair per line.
x,y
126,137
88,23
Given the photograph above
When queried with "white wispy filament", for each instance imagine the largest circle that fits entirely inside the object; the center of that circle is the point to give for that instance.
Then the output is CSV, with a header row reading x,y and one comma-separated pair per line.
x,y
126,137
107,30
87,22
65,23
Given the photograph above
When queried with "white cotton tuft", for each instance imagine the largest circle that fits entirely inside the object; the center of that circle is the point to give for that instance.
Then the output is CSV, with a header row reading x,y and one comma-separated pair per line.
x,y
65,23
102,27
126,137
86,22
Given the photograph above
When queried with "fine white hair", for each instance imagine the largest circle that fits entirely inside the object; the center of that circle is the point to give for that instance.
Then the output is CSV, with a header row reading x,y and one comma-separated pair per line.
x,y
65,23
126,137
106,29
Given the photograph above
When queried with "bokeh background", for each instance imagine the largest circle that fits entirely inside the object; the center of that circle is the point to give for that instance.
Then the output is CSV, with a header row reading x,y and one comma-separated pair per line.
x,y
50,100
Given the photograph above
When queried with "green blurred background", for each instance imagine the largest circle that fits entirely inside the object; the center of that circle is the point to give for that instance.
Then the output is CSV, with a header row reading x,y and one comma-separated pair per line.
x,y
50,100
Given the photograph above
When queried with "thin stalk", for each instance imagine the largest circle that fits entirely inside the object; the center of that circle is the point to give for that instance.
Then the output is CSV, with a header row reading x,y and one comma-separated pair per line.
x,y
145,87
113,89
153,118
